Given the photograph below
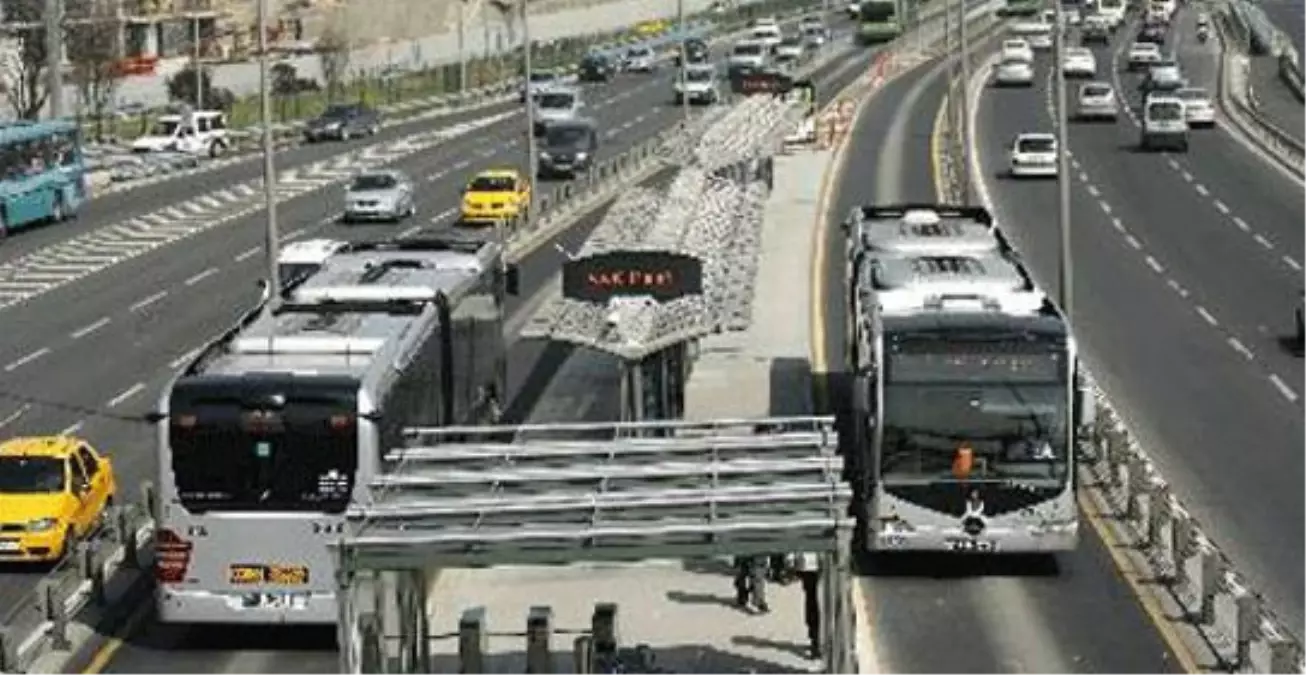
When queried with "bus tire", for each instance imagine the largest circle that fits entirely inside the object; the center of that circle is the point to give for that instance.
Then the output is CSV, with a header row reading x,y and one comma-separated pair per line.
x,y
216,148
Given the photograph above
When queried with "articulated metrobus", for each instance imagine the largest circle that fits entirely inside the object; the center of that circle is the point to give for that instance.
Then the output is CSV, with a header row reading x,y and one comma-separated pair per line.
x,y
877,22
971,374
43,177
275,428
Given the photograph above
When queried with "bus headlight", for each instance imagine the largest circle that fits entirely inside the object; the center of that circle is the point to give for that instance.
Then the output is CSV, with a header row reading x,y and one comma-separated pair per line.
x,y
895,525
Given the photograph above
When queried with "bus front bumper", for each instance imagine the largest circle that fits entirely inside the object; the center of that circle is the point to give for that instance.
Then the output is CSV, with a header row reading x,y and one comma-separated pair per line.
x,y
201,607
995,539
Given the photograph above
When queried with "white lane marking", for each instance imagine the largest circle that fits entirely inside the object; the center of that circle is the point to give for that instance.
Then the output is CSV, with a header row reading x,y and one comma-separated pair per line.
x,y
1173,164
24,360
1133,241
1154,264
72,428
1187,176
125,394
1201,190
411,231
89,328
1241,348
1092,191
1177,288
1278,383
146,302
1120,226
1290,262
180,360
1210,318
1242,224
201,276
1106,207
247,254
13,416
1265,243
1221,207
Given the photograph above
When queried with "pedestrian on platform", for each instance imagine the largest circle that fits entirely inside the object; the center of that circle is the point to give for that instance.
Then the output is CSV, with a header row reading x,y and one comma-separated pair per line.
x,y
750,582
808,568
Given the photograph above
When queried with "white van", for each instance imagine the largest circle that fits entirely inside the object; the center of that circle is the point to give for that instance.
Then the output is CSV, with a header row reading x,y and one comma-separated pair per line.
x,y
1037,33
1165,125
196,133
768,35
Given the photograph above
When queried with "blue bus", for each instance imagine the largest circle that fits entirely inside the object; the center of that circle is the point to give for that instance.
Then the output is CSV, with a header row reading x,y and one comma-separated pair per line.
x,y
42,175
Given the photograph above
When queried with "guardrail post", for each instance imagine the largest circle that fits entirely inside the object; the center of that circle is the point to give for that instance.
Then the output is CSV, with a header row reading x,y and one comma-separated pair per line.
x,y
52,606
603,627
1212,578
582,654
1249,623
472,641
1135,487
1285,656
89,567
1158,513
125,534
1182,537
373,652
539,632
1116,447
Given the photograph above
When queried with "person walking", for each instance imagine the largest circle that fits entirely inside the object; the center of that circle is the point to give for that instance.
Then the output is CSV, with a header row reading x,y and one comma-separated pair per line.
x,y
750,582
808,568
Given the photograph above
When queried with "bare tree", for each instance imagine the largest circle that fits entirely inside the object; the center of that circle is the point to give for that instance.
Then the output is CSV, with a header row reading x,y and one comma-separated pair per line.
x,y
333,55
93,48
24,59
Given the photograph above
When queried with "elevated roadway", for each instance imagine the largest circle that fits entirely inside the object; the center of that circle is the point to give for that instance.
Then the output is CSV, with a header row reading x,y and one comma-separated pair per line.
x,y
930,614
151,341
1187,268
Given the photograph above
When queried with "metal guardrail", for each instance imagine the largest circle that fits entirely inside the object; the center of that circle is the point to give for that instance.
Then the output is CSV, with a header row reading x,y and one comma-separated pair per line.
x,y
40,623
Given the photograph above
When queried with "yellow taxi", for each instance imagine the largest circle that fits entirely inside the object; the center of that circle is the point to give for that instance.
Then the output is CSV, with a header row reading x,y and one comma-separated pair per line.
x,y
495,195
53,491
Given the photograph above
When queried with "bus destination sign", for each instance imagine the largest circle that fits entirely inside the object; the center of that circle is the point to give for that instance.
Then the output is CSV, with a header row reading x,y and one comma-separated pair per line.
x,y
662,275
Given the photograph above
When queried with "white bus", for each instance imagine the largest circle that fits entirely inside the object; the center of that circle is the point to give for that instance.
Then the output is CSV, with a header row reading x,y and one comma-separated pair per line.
x,y
275,428
971,376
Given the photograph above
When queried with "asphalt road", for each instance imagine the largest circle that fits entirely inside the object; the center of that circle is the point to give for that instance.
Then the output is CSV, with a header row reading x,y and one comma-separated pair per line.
x,y
1290,17
1187,269
1273,97
147,340
932,614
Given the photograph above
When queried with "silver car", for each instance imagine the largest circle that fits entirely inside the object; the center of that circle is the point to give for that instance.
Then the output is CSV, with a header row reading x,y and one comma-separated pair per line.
x,y
559,104
641,60
1097,101
385,195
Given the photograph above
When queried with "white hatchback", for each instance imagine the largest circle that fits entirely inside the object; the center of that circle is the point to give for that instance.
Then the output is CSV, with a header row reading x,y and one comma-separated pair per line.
x,y
1197,106
1013,73
1034,155
1097,101
1079,62
1017,50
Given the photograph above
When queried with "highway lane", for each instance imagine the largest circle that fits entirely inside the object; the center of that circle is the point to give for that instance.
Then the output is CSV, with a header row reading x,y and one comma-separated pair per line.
x,y
1171,297
1225,225
174,324
1288,16
996,615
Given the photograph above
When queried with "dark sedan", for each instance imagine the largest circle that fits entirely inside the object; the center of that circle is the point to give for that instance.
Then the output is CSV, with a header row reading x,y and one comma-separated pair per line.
x,y
342,122
596,67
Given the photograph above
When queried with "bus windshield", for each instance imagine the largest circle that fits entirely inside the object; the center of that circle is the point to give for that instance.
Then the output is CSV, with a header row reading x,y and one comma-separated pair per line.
x,y
877,12
228,456
1016,432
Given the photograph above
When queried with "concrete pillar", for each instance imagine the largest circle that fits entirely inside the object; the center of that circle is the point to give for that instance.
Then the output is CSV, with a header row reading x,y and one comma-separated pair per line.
x,y
539,633
356,599
472,641
604,629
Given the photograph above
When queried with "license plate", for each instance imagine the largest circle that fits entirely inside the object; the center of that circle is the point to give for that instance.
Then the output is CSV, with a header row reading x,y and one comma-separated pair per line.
x,y
972,545
8,546
279,575
274,601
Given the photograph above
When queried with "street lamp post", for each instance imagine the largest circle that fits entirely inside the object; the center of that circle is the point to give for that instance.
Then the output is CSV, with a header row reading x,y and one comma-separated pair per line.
x,y
54,55
684,59
1063,164
195,63
269,168
965,103
531,150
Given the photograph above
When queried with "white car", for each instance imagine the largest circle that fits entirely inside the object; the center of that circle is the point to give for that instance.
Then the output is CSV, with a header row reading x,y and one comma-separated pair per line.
x,y
1034,156
298,260
558,104
1164,76
1042,40
815,36
1017,50
854,9
698,86
641,60
1013,73
1143,54
198,133
1197,106
790,49
1079,63
748,54
1097,101
768,35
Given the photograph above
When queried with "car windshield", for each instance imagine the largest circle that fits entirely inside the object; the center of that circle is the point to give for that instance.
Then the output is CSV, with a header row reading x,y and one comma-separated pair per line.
x,y
748,50
1144,49
791,42
1165,65
337,112
290,273
1079,53
814,30
565,136
1016,431
31,475
491,184
1036,145
639,53
1014,63
765,33
1095,91
1193,94
373,181
1014,45
703,75
557,100
543,77
165,127
1166,111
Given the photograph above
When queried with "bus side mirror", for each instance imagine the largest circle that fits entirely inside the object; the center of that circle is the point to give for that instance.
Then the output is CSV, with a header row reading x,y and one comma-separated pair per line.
x,y
512,280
